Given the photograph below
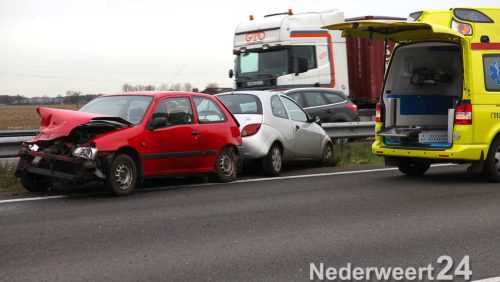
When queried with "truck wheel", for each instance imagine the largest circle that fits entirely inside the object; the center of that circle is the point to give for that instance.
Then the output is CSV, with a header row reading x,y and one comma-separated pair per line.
x,y
491,169
412,168
273,161
226,166
327,159
33,182
122,176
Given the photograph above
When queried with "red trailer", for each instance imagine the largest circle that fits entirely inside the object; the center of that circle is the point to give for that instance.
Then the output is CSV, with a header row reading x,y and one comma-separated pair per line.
x,y
366,66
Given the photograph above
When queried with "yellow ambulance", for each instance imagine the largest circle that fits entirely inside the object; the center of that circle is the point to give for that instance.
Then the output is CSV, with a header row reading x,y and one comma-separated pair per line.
x,y
440,101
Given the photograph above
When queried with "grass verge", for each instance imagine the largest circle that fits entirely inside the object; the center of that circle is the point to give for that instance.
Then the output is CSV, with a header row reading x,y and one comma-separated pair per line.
x,y
8,182
355,153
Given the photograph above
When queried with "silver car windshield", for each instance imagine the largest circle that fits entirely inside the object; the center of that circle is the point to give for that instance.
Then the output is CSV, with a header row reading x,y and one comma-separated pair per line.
x,y
242,103
129,108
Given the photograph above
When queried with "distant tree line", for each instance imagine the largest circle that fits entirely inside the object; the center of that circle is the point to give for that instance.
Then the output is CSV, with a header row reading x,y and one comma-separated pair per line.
x,y
8,100
72,97
78,98
164,87
186,86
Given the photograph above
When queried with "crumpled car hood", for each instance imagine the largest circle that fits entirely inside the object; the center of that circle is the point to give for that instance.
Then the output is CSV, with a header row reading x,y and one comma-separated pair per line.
x,y
56,123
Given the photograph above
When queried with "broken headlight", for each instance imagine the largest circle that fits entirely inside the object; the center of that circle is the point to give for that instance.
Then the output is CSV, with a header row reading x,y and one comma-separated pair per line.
x,y
85,152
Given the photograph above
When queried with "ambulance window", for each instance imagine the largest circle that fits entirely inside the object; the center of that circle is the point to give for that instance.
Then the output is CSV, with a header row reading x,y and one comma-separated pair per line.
x,y
306,52
491,65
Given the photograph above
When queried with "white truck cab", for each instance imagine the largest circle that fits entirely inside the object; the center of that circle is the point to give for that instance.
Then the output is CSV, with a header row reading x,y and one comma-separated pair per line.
x,y
289,50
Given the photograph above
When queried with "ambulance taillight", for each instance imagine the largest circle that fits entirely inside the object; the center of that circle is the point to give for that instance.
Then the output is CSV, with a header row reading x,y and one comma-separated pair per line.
x,y
463,114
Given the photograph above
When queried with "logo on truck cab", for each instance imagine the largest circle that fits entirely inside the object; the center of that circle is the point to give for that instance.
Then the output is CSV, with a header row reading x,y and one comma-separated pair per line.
x,y
255,36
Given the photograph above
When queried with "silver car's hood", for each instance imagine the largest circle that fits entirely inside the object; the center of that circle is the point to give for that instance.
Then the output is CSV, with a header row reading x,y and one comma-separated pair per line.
x,y
245,119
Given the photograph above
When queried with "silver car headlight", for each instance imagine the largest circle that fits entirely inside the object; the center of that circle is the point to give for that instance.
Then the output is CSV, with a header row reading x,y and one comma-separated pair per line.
x,y
85,153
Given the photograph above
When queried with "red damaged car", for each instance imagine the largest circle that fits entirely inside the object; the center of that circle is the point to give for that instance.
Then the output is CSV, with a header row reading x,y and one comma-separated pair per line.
x,y
122,138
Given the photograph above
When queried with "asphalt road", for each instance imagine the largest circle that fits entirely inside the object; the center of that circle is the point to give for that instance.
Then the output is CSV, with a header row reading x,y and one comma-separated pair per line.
x,y
255,231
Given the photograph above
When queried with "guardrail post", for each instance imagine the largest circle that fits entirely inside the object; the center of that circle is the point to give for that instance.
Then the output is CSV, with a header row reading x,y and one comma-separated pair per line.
x,y
341,149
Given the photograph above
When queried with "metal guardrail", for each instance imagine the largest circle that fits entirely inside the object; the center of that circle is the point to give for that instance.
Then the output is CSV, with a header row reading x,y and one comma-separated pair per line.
x,y
9,146
350,129
11,140
17,133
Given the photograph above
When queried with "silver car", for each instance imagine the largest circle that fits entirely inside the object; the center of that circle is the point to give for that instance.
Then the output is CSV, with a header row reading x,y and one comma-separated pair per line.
x,y
276,130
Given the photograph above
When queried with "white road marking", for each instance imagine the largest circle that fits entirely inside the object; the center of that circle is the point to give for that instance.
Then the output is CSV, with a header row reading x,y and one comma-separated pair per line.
x,y
210,184
314,175
32,199
325,174
180,186
492,279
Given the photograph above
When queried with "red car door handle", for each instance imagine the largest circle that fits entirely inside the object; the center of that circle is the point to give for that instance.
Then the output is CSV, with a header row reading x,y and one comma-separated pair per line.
x,y
195,132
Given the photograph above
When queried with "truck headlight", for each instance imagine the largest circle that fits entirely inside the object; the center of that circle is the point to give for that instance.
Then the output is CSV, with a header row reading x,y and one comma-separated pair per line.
x,y
85,152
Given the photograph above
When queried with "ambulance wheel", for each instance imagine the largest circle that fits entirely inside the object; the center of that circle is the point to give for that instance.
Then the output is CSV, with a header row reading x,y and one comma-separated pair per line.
x,y
412,168
491,169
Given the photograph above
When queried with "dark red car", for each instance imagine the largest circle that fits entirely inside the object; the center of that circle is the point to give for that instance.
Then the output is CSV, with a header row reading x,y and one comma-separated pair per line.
x,y
122,138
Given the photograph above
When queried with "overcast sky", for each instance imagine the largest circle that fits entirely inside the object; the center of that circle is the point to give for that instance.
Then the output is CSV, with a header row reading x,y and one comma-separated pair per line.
x,y
95,46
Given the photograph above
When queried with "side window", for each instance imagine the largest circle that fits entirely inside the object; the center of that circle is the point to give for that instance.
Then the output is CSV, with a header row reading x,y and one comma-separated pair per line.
x,y
207,111
278,108
297,97
296,113
174,111
307,52
314,99
334,98
491,65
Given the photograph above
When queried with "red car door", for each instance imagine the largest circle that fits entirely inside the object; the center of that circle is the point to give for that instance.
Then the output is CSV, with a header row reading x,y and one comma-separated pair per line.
x,y
213,127
172,141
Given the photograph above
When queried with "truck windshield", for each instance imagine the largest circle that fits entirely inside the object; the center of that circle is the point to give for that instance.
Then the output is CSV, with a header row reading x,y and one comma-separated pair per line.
x,y
262,63
267,63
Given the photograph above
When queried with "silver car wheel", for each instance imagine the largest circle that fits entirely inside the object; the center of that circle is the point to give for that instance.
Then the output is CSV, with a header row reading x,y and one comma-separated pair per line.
x,y
123,176
328,153
276,157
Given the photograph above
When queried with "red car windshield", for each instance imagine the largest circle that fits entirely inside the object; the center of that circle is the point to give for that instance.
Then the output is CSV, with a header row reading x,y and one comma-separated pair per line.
x,y
130,108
